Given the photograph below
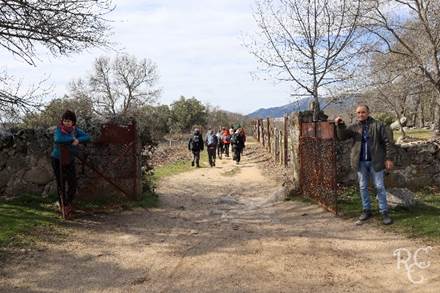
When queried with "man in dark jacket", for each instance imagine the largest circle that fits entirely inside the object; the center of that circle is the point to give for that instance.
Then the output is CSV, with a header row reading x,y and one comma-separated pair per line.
x,y
237,141
371,154
195,144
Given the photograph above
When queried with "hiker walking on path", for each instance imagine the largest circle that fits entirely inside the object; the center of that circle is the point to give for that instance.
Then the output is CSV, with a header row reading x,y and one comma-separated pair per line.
x,y
226,141
66,139
371,153
219,144
195,144
237,141
211,144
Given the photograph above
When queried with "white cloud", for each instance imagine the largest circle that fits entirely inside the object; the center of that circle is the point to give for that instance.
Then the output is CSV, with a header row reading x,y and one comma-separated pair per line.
x,y
196,44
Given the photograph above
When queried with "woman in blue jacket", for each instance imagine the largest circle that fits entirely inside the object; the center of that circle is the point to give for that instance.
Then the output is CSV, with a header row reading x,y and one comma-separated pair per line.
x,y
66,137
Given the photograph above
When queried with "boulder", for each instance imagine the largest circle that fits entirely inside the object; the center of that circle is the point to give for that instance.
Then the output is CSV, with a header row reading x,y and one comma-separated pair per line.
x,y
50,188
17,185
400,197
38,175
395,125
4,178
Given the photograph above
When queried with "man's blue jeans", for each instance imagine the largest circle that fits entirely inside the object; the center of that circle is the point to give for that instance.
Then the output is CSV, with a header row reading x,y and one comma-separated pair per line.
x,y
364,172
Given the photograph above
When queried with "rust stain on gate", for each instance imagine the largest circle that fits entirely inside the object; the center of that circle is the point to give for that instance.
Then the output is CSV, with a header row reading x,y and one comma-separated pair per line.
x,y
317,155
113,157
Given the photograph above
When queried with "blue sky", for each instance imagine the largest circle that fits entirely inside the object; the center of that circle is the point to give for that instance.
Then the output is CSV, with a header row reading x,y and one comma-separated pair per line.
x,y
197,45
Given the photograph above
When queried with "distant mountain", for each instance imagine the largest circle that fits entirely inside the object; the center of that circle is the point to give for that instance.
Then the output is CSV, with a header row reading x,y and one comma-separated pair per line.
x,y
275,112
303,105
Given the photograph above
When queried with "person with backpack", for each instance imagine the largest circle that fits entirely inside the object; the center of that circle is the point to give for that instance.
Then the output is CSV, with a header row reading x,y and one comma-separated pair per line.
x,y
66,139
211,144
243,133
237,141
226,141
195,144
219,144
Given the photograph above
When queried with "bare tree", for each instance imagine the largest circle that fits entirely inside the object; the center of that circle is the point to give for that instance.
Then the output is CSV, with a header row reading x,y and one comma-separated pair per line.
x,y
60,26
312,43
15,101
120,85
415,37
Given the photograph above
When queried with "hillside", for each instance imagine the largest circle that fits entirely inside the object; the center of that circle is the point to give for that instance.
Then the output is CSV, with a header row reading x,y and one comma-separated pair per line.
x,y
302,105
274,112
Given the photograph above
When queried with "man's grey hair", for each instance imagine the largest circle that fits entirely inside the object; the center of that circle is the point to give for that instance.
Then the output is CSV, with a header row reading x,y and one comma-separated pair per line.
x,y
365,106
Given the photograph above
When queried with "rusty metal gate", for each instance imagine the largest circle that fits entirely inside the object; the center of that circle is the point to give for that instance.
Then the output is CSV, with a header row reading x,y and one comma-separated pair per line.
x,y
113,159
317,154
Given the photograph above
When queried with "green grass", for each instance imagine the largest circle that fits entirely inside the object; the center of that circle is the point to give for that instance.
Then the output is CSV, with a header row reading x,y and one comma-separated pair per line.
x,y
115,203
22,215
415,133
178,167
420,221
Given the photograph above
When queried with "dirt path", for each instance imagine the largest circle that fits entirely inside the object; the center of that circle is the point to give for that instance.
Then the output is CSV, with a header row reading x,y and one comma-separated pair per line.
x,y
214,234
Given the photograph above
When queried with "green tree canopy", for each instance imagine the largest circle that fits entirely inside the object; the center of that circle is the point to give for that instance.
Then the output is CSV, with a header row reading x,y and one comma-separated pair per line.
x,y
186,113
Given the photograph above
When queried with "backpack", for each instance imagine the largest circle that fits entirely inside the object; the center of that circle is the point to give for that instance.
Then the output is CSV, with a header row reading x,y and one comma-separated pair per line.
x,y
195,143
226,139
211,140
234,138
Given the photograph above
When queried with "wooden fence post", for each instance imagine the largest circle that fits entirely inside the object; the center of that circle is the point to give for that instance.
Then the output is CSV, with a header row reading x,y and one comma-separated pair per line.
x,y
275,147
280,137
258,130
268,134
262,132
286,141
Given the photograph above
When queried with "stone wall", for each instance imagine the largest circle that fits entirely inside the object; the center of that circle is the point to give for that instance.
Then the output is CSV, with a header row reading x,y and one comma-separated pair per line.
x,y
25,161
25,166
417,164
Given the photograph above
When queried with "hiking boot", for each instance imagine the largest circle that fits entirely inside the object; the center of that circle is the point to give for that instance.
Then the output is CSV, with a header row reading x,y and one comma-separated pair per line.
x,y
386,220
366,214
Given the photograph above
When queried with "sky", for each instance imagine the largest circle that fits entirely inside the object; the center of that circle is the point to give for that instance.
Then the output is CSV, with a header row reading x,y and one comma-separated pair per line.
x,y
196,44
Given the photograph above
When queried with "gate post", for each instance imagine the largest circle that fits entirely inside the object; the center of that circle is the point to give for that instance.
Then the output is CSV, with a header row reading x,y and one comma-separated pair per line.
x,y
317,154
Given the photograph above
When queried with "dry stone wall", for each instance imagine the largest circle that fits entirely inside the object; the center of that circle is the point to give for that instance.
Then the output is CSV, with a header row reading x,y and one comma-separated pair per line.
x,y
417,164
25,166
25,161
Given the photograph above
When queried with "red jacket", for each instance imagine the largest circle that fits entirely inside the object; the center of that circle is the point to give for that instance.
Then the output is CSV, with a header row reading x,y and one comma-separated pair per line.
x,y
226,137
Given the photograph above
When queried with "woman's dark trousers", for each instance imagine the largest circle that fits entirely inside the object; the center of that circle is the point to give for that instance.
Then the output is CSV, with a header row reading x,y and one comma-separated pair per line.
x,y
69,177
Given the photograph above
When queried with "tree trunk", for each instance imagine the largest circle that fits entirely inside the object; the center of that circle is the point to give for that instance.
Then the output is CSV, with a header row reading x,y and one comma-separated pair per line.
x,y
436,130
316,106
436,106
419,120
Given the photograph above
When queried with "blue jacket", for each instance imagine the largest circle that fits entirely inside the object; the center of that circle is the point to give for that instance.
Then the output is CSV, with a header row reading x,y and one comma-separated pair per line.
x,y
67,139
